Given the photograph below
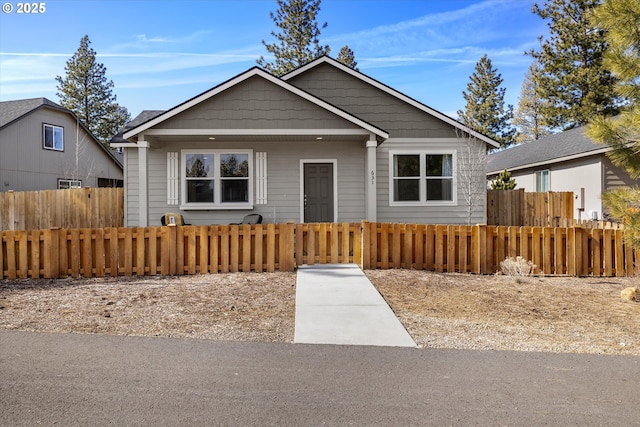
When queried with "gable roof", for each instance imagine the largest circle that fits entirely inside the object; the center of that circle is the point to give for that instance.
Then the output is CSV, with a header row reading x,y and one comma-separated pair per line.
x,y
389,90
12,111
254,71
143,117
567,145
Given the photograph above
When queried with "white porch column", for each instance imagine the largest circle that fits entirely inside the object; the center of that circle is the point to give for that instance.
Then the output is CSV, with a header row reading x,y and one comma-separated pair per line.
x,y
370,180
143,183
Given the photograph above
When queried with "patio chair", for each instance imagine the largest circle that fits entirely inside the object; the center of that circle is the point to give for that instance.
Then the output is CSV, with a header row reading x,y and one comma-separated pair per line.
x,y
172,219
250,219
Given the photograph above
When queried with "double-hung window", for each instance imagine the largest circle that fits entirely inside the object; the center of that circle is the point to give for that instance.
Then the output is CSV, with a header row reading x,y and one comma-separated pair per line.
x,y
217,179
542,180
421,178
53,137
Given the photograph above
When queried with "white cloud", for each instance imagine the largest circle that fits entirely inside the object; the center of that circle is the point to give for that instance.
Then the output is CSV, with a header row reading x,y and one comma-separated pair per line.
x,y
143,41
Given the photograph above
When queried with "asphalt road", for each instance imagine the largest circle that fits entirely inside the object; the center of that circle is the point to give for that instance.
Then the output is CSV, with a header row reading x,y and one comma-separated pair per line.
x,y
72,379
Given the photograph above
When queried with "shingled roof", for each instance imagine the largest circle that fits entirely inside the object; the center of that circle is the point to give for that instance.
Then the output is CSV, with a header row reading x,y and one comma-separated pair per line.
x,y
141,118
11,111
565,145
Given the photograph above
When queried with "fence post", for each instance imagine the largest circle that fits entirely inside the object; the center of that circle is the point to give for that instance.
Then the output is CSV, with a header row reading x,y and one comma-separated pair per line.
x,y
287,244
365,254
628,256
619,238
346,234
478,248
1,252
299,248
9,238
409,254
463,256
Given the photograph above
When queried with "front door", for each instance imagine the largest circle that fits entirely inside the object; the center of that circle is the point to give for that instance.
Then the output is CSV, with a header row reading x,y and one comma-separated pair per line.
x,y
318,192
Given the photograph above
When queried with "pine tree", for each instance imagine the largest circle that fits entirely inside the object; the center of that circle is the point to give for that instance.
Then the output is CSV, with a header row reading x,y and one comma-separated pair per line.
x,y
528,116
86,91
347,57
573,80
503,181
621,18
298,39
484,110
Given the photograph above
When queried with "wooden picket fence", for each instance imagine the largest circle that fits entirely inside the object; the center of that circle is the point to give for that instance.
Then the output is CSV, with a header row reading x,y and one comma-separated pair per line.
x,y
141,251
72,208
517,207
479,249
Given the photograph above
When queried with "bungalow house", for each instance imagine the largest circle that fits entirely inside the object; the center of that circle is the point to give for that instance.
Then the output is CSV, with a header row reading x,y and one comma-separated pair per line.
x,y
324,143
44,146
566,161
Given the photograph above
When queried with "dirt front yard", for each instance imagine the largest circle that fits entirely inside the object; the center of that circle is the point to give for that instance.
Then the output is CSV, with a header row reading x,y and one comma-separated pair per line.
x,y
556,314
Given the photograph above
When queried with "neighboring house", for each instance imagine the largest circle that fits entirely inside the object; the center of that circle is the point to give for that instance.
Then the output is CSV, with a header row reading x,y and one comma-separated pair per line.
x,y
323,143
44,146
566,161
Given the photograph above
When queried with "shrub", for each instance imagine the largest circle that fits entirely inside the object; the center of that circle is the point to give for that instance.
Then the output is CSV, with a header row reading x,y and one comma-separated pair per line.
x,y
517,266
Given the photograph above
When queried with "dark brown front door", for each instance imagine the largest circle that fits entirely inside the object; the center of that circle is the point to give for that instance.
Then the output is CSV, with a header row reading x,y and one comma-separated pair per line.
x,y
318,192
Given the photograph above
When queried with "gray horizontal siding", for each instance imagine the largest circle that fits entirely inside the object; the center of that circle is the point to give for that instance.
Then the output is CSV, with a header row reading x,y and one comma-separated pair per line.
x,y
283,183
429,214
256,104
371,104
25,165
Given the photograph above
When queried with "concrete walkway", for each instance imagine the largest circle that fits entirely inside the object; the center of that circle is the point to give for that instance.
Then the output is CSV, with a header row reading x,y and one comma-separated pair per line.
x,y
337,304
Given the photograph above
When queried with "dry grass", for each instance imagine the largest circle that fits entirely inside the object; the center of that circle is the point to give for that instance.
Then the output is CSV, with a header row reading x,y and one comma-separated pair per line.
x,y
253,307
557,314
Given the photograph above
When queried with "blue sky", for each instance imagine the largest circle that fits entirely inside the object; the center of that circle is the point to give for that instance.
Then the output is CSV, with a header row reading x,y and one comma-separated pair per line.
x,y
160,53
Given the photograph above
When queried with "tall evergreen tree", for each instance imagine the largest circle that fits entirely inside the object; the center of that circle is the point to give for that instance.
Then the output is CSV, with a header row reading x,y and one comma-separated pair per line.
x,y
503,181
621,20
86,91
298,37
484,110
347,57
573,80
528,116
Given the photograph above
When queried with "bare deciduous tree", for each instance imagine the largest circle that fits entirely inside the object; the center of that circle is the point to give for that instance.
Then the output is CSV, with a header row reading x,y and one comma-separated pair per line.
x,y
472,160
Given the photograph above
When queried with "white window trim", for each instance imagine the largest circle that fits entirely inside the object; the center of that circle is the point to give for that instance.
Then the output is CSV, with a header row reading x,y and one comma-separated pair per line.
x,y
218,205
44,138
538,173
335,185
73,183
423,188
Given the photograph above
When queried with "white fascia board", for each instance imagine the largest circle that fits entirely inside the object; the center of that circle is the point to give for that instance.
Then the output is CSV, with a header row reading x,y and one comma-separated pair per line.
x,y
253,132
242,77
394,93
124,145
552,161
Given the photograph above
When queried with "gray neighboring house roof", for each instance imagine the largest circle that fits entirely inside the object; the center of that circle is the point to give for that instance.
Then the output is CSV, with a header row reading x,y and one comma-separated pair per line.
x,y
11,111
562,146
141,118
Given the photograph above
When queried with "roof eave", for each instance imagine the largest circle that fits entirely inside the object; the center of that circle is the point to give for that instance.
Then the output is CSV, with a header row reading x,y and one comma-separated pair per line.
x,y
552,161
255,71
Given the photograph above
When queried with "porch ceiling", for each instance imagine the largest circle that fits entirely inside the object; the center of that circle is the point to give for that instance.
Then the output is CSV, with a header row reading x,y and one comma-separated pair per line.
x,y
213,137
256,138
